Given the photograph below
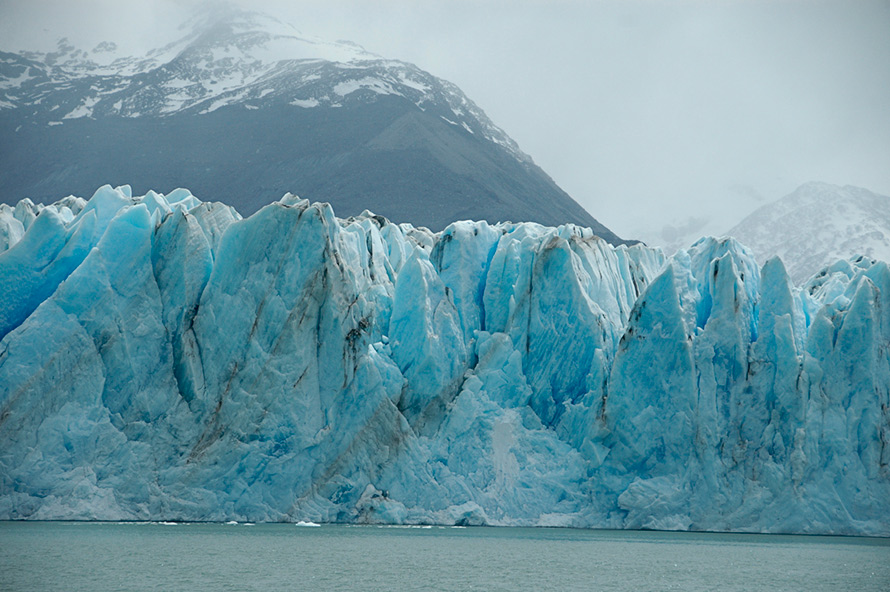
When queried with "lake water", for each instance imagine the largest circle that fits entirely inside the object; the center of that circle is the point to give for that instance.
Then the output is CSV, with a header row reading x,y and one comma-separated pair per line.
x,y
95,557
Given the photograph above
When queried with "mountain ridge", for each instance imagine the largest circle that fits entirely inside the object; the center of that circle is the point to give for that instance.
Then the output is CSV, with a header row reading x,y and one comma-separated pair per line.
x,y
816,225
148,113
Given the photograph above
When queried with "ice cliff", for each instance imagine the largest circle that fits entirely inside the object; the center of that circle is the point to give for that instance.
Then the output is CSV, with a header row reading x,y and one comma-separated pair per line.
x,y
162,358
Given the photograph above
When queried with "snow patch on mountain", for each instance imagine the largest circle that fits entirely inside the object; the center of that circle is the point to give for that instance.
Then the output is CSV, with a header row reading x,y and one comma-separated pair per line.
x,y
817,225
225,59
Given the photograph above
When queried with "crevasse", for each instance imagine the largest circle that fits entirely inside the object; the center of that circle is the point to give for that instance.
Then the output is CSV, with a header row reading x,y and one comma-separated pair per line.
x,y
161,358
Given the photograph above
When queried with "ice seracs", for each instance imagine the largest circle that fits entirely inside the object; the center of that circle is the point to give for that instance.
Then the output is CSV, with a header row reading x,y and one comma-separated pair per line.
x,y
163,359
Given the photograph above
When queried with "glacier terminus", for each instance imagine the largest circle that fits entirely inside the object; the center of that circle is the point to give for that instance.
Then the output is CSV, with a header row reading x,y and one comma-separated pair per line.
x,y
164,359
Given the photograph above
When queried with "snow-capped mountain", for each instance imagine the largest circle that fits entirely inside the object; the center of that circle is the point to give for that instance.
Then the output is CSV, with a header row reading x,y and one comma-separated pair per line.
x,y
243,108
161,358
817,225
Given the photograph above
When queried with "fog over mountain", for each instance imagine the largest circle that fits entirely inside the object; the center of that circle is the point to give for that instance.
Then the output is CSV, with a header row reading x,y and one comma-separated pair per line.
x,y
817,225
164,358
242,108
648,113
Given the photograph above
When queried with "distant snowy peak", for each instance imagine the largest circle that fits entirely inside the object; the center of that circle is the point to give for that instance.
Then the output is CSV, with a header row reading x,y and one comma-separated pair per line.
x,y
243,39
817,225
230,58
248,40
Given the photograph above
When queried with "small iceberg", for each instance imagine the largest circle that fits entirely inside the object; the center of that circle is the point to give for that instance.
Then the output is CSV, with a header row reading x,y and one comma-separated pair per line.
x,y
304,523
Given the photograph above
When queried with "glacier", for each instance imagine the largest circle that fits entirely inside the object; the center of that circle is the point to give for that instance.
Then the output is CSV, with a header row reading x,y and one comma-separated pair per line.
x,y
164,359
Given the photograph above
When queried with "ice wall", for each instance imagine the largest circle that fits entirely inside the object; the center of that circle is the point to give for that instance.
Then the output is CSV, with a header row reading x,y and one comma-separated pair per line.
x,y
163,359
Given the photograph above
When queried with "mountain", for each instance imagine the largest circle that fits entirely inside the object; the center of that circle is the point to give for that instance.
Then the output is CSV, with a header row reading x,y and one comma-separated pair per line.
x,y
162,359
243,109
816,225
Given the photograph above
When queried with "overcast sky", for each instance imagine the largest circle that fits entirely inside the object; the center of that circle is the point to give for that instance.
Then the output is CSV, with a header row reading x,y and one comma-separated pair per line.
x,y
649,113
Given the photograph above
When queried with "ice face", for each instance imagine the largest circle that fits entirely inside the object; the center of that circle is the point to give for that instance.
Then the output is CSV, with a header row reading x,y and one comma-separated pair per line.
x,y
163,359
11,229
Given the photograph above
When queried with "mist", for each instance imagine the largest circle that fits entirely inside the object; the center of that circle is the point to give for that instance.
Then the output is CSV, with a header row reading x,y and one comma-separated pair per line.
x,y
652,115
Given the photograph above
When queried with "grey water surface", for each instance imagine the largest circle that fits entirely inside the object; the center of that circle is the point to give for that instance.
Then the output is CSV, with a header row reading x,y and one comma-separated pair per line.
x,y
97,557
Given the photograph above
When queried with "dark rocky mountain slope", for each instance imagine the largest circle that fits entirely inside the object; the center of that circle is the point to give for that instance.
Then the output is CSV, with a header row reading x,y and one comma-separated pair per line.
x,y
243,109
